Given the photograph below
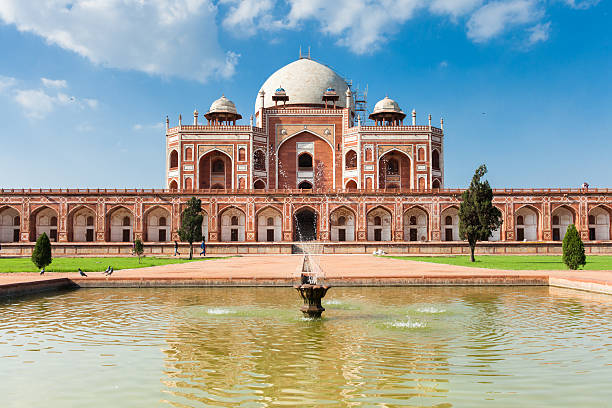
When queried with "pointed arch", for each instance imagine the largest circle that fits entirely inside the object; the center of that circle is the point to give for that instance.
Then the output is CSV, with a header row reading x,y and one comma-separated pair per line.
x,y
394,169
207,178
449,223
599,222
416,223
343,222
173,159
157,222
10,224
259,160
379,221
77,226
117,229
259,184
306,221
561,217
435,159
350,160
300,132
232,223
41,220
351,185
269,223
527,223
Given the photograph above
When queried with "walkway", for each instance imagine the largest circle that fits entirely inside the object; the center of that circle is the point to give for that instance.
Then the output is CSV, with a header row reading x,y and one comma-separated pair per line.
x,y
339,269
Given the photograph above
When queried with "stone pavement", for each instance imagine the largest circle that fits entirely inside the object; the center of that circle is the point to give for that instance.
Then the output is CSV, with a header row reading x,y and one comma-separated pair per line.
x,y
362,269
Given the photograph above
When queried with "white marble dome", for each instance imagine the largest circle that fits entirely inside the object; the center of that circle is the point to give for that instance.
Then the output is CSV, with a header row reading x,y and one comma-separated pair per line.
x,y
386,105
222,105
304,81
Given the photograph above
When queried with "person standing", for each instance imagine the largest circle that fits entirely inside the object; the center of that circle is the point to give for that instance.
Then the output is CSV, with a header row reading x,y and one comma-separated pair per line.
x,y
176,252
203,246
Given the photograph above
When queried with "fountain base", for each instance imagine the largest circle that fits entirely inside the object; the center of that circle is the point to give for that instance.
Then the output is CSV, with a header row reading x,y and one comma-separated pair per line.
x,y
312,295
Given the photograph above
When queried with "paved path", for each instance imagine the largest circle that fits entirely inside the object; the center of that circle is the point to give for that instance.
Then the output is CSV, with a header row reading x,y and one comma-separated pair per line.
x,y
283,267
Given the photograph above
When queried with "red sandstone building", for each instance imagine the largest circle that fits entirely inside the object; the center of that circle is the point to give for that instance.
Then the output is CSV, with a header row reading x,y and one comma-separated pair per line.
x,y
306,167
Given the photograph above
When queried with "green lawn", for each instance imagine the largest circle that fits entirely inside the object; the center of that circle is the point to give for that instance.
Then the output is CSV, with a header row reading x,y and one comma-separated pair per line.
x,y
516,262
90,264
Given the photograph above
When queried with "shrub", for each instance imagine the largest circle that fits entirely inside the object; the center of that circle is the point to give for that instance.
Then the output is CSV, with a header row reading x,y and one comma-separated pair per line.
x,y
41,256
573,249
138,248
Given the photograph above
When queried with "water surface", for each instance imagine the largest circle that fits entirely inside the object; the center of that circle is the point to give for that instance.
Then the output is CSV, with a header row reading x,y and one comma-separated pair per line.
x,y
246,347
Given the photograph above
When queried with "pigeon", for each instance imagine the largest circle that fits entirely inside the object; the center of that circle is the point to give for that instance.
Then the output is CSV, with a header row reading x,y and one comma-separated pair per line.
x,y
82,273
42,271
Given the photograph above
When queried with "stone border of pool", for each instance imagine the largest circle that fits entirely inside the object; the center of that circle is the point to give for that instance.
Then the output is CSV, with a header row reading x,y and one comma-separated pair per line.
x,y
12,290
283,270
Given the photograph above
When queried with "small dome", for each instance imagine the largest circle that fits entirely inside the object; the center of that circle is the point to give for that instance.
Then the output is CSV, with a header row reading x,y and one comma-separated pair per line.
x,y
223,105
386,105
330,90
279,89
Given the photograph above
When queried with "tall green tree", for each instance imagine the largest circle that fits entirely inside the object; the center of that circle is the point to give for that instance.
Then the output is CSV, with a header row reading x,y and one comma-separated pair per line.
x,y
138,248
478,217
41,256
573,248
191,223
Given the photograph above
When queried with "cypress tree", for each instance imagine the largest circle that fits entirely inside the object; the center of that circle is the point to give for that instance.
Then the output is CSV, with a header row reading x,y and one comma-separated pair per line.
x,y
478,217
191,223
573,248
138,248
41,256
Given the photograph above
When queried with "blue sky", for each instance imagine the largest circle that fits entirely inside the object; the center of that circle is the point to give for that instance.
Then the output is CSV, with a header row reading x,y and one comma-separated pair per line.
x,y
524,86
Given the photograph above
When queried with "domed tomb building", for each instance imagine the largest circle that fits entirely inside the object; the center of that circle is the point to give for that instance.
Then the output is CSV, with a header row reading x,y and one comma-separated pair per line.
x,y
305,135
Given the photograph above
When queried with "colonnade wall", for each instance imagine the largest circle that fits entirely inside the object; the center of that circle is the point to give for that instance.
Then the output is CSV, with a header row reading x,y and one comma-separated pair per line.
x,y
404,217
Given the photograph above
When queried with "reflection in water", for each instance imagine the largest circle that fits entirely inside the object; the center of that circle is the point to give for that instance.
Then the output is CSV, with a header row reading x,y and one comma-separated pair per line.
x,y
420,347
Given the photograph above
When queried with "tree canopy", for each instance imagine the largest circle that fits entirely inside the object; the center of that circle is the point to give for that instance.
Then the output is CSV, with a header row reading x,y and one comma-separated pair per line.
x,y
573,248
191,223
41,256
478,217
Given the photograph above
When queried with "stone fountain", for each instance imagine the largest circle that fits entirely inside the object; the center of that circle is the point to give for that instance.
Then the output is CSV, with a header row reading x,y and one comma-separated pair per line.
x,y
311,289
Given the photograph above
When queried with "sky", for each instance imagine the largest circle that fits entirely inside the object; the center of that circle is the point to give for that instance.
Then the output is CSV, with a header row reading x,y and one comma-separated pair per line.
x,y
524,86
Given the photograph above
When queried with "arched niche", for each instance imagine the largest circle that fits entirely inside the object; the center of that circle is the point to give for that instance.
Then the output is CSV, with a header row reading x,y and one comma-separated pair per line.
x,y
416,221
449,224
233,222
342,223
379,224
269,225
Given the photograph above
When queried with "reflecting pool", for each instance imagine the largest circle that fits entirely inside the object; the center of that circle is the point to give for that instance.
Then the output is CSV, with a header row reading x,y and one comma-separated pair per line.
x,y
251,347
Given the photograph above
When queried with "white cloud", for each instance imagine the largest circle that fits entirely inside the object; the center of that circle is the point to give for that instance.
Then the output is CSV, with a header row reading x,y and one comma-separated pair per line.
x,y
54,83
38,103
443,64
455,8
581,5
244,17
159,37
366,25
361,25
493,19
539,33
35,102
6,82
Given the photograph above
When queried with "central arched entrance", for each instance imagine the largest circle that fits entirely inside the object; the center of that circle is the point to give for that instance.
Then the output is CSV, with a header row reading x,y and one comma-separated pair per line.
x,y
305,225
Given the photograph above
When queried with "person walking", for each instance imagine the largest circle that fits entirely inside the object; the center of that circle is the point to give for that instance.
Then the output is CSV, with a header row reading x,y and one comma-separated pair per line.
x,y
176,252
203,246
